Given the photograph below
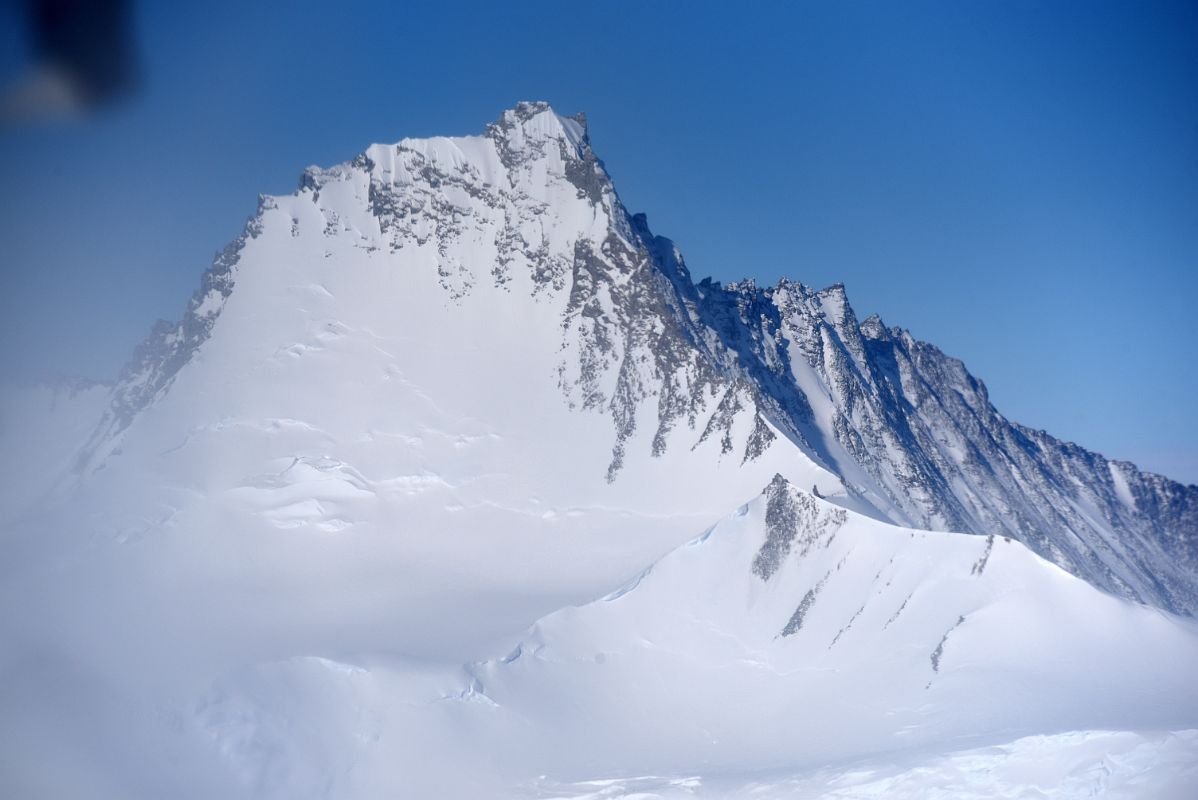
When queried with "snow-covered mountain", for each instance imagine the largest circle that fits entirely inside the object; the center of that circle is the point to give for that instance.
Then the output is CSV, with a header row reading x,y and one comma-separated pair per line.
x,y
526,217
451,388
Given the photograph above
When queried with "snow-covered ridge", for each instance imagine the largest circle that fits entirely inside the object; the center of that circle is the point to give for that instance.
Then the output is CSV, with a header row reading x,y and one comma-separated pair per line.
x,y
791,636
905,423
858,636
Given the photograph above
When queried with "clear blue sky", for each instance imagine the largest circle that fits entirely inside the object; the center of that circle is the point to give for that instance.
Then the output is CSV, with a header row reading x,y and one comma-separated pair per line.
x,y
1016,182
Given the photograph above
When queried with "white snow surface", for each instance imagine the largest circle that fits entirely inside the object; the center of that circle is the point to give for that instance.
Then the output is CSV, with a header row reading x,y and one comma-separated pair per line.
x,y
363,543
1060,767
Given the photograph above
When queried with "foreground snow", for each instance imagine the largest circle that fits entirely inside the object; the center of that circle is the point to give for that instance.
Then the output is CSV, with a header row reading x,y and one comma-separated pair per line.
x,y
1112,765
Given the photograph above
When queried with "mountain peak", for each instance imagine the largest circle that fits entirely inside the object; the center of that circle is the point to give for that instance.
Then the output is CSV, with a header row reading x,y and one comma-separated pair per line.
x,y
536,121
526,209
835,303
777,484
872,327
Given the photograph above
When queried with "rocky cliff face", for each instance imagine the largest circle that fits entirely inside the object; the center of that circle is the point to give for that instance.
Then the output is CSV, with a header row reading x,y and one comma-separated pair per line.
x,y
526,218
897,418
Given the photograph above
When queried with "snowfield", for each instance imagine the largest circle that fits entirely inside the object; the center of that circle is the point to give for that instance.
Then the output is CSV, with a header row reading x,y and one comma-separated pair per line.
x,y
1069,765
450,483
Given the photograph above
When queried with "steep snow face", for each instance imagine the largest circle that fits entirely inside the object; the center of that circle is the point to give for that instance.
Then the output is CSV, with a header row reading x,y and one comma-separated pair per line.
x,y
791,639
909,429
503,262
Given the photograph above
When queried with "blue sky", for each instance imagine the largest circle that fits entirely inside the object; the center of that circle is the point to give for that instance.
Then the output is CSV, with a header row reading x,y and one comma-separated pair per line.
x,y
1015,182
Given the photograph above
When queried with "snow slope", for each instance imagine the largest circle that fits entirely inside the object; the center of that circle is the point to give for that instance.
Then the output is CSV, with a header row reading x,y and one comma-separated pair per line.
x,y
829,635
790,637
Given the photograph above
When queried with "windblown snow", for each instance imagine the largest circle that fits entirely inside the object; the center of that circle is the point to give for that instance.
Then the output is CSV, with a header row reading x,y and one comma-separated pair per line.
x,y
406,505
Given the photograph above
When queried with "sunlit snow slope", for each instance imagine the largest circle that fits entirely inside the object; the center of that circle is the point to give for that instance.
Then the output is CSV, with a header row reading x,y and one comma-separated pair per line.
x,y
791,636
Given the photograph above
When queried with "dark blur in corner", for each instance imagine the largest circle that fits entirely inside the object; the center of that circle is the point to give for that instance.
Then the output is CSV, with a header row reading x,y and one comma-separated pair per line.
x,y
83,60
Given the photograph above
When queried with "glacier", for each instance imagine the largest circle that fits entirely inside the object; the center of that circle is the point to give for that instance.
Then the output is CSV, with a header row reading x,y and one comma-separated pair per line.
x,y
405,504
